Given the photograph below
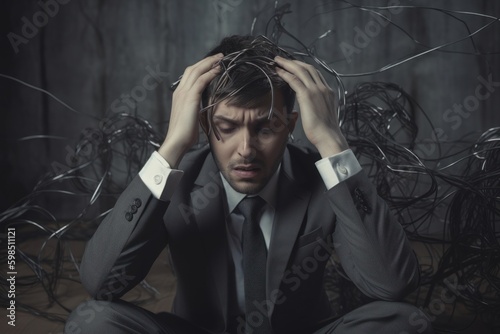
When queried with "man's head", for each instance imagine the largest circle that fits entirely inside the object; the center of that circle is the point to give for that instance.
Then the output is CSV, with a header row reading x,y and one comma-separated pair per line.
x,y
248,112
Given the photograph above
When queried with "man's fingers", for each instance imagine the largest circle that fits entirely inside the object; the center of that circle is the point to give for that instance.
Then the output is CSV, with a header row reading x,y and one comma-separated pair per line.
x,y
291,79
323,80
318,78
194,72
204,79
295,69
308,74
312,78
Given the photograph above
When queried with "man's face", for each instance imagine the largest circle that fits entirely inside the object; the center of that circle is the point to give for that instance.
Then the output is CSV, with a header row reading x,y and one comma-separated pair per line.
x,y
251,146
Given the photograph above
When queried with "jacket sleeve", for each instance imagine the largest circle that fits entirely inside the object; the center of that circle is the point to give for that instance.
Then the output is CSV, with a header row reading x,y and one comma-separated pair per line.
x,y
371,244
126,243
130,238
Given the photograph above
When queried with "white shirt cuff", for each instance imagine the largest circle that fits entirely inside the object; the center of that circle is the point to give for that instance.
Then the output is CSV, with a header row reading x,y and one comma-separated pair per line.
x,y
159,177
338,168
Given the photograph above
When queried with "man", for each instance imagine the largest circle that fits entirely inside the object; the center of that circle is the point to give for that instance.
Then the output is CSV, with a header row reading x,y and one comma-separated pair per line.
x,y
250,220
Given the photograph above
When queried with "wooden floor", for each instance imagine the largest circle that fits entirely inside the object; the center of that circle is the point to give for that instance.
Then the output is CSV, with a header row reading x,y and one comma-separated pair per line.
x,y
156,298
156,295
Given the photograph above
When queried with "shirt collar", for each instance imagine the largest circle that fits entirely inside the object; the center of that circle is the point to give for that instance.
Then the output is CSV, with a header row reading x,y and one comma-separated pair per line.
x,y
268,193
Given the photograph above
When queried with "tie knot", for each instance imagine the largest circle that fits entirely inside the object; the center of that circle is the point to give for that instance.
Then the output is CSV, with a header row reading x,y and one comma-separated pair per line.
x,y
250,207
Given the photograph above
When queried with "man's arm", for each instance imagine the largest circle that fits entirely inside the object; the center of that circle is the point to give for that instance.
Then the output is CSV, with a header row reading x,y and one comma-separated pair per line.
x,y
130,238
125,245
371,244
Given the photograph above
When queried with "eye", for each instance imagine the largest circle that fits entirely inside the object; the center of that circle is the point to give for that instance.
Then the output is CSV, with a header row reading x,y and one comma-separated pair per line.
x,y
227,130
265,131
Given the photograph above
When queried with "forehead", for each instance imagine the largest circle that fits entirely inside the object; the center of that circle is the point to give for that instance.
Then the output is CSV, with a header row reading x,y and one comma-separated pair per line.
x,y
261,107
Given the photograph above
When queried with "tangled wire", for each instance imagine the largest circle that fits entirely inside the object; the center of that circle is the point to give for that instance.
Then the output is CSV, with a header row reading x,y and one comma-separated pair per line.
x,y
458,191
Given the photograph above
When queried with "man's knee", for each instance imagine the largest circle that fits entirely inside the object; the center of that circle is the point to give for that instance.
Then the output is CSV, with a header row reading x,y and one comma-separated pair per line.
x,y
408,317
88,317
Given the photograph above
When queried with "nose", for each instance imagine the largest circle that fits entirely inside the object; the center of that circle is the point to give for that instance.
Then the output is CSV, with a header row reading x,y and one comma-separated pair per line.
x,y
247,146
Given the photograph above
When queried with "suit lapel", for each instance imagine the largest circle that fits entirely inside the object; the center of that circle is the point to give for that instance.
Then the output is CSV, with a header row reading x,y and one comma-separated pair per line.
x,y
291,206
210,220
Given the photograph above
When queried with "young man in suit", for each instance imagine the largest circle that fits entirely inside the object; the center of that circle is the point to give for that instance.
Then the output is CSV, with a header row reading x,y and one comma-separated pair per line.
x,y
250,220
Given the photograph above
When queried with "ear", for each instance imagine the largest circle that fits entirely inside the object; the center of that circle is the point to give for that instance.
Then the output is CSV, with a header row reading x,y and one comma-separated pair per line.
x,y
292,120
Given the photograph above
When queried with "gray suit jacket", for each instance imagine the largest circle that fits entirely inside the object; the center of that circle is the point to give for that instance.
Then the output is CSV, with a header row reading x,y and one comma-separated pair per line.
x,y
371,244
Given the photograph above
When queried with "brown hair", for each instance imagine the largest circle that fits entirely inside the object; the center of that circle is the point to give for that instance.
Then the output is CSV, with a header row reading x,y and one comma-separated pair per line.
x,y
248,75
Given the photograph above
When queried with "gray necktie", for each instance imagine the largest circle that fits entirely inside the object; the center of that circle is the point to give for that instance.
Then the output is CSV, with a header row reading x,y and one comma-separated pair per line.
x,y
254,266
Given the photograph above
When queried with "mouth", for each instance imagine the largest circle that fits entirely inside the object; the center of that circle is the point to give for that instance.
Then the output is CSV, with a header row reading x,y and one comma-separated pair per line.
x,y
246,171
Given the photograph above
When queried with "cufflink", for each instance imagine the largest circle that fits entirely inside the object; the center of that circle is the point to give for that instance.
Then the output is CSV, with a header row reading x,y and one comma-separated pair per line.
x,y
342,169
158,178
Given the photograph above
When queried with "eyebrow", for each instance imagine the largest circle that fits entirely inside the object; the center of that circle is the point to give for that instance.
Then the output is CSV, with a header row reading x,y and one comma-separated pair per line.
x,y
260,119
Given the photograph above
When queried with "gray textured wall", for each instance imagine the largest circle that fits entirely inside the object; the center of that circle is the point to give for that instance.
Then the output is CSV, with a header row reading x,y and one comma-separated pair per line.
x,y
90,53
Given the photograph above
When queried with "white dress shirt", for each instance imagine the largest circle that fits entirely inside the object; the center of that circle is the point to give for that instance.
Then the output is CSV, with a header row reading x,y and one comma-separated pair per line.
x,y
162,181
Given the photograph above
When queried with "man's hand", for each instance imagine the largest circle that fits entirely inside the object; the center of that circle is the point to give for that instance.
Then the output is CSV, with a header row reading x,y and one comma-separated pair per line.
x,y
184,118
318,105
